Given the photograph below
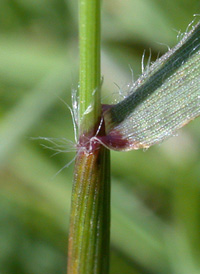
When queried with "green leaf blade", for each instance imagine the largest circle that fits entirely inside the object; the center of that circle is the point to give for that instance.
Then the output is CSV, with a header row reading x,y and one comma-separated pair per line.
x,y
163,99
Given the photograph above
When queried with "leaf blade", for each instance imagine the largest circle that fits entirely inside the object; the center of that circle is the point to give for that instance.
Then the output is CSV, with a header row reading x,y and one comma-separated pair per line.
x,y
159,102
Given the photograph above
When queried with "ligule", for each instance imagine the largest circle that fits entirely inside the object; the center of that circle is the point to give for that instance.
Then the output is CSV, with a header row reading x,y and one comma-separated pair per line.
x,y
165,98
90,217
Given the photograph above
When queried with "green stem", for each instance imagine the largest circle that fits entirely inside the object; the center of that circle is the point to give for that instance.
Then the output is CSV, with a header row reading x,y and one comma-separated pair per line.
x,y
89,235
89,92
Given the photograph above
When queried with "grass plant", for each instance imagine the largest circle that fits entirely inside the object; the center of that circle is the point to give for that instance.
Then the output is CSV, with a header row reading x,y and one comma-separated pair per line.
x,y
162,100
155,193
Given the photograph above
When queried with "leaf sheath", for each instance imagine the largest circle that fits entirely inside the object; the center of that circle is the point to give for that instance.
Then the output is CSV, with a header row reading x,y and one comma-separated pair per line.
x,y
90,213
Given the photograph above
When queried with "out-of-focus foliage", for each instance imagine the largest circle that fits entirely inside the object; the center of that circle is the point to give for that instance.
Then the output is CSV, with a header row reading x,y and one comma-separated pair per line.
x,y
155,193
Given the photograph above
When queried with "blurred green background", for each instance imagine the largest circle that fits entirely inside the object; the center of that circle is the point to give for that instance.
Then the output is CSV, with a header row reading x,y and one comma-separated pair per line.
x,y
155,193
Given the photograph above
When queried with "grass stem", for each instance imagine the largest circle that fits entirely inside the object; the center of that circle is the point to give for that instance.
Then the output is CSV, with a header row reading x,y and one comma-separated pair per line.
x,y
89,236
